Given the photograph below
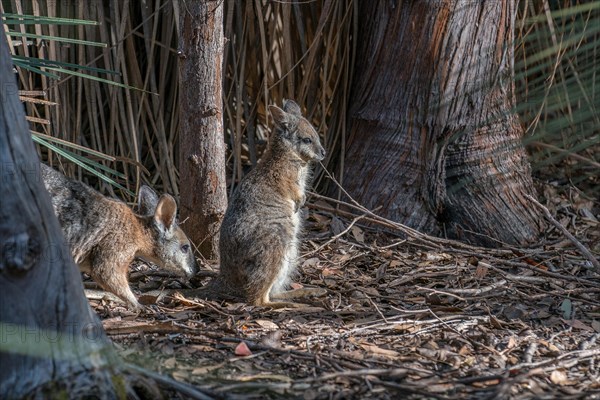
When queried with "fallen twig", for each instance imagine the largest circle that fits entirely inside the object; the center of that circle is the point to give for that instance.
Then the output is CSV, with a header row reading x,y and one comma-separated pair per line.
x,y
336,237
567,234
188,390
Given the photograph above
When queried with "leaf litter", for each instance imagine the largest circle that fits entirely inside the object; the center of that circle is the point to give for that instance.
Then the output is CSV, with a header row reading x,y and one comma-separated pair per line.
x,y
401,318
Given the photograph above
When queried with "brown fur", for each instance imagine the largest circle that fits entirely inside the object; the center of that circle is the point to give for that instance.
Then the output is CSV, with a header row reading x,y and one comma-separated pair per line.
x,y
259,234
105,235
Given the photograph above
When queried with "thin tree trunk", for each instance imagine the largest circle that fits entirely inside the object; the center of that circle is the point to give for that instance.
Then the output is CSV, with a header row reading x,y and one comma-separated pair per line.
x,y
201,139
50,340
433,139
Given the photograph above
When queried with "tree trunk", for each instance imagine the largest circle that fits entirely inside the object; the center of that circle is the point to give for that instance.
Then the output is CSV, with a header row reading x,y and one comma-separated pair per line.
x,y
201,139
433,137
50,340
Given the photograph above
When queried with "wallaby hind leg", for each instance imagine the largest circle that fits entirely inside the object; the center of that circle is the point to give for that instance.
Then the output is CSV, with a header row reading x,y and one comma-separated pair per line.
x,y
299,294
260,285
115,280
260,297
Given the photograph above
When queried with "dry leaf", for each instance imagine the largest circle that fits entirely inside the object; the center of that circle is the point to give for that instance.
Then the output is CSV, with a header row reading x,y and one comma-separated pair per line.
x,y
274,377
264,323
407,327
439,387
311,262
170,362
181,375
469,361
201,347
566,308
206,369
242,349
358,234
495,322
337,226
322,204
429,353
320,219
481,271
577,324
378,350
341,258
587,214
482,384
330,271
371,291
381,271
437,256
272,339
464,350
558,377
550,346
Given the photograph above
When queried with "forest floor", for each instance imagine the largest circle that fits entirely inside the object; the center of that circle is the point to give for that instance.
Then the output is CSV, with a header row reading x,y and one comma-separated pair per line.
x,y
404,317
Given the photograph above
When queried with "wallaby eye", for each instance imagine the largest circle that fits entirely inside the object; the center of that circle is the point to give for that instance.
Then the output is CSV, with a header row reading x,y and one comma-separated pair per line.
x,y
185,248
306,140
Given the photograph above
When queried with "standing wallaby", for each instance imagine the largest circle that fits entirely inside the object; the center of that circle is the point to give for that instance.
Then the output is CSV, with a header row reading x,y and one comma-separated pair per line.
x,y
105,235
259,233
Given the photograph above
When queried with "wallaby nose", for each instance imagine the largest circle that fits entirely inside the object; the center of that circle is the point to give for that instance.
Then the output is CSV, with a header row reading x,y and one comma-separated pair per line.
x,y
193,270
322,153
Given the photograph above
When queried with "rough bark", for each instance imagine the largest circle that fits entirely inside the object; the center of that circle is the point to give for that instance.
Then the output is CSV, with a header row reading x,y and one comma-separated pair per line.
x,y
51,343
433,139
201,139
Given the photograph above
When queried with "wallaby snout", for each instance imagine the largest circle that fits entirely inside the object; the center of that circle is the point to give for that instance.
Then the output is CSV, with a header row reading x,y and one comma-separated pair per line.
x,y
321,153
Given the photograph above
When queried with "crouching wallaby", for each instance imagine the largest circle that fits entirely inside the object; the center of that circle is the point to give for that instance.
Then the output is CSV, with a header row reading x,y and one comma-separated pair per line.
x,y
105,235
259,237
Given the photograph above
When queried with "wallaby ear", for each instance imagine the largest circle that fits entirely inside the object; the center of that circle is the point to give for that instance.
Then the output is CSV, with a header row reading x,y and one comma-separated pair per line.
x,y
279,116
166,211
291,107
282,119
147,201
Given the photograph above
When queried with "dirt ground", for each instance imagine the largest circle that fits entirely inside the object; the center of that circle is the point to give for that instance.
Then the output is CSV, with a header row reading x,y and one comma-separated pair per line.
x,y
405,316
